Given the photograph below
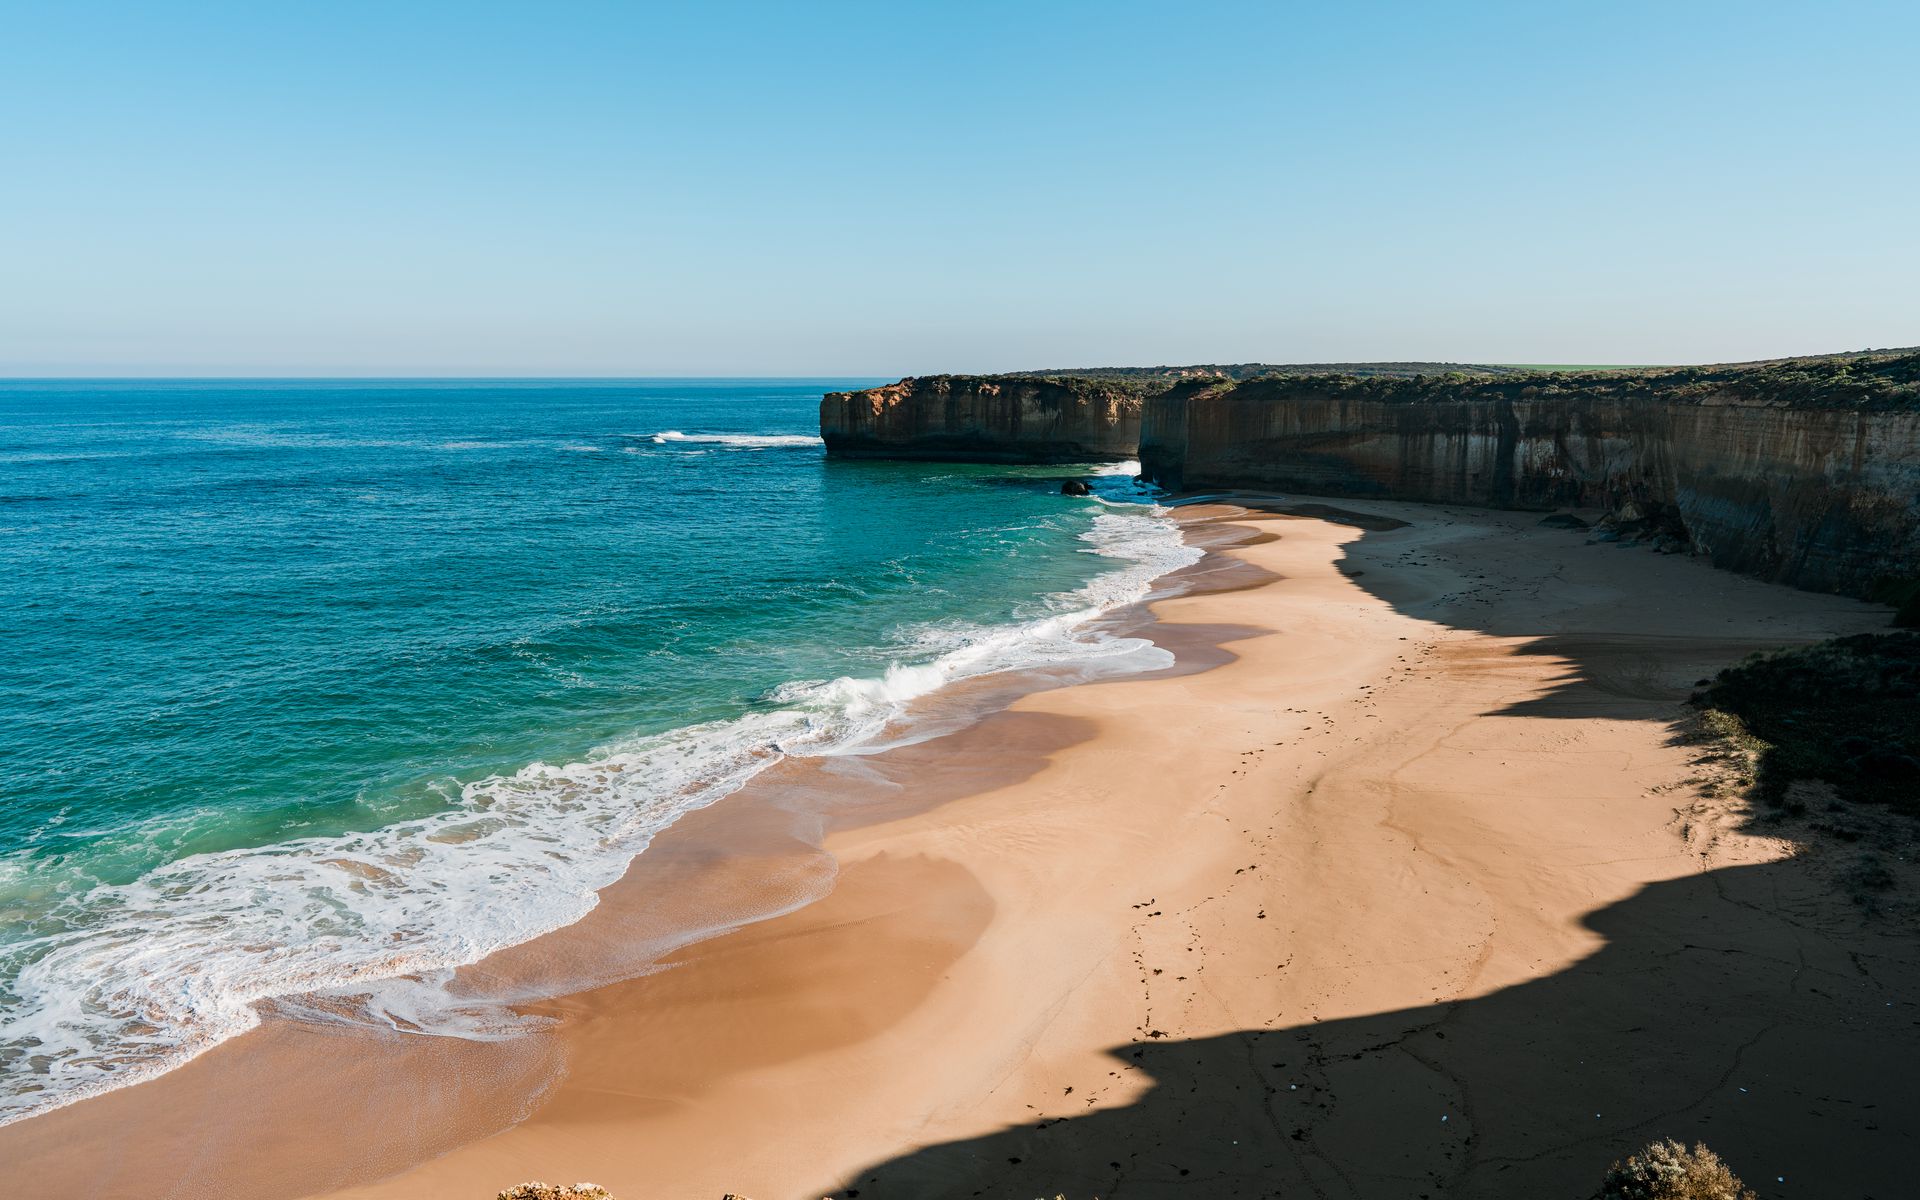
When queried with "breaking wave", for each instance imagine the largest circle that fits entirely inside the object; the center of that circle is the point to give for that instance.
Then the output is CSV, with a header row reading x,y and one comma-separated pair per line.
x,y
121,982
738,441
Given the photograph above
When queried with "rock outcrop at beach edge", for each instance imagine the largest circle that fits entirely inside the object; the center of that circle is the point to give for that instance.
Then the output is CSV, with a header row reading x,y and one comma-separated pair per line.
x,y
1801,471
979,419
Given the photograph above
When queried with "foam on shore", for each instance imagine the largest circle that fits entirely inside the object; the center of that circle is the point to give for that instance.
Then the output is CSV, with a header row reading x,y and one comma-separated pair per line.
x,y
123,982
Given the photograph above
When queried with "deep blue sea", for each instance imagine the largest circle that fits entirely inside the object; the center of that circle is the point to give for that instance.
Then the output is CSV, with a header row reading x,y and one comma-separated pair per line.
x,y
310,684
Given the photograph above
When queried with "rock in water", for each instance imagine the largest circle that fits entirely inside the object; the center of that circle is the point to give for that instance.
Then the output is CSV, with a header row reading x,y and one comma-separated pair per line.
x,y
1074,487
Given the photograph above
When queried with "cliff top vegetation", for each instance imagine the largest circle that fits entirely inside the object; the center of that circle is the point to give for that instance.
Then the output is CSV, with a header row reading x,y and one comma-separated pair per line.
x,y
1878,380
1882,380
1163,377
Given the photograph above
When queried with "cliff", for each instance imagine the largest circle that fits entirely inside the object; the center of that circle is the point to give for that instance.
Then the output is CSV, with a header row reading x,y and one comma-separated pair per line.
x,y
986,419
1800,471
1078,415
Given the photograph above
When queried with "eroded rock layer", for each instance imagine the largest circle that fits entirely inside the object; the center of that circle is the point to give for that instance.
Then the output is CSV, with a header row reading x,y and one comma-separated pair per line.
x,y
980,419
1804,472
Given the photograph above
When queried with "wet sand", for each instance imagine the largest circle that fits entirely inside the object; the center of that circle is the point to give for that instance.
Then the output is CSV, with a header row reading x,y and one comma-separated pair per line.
x,y
1401,884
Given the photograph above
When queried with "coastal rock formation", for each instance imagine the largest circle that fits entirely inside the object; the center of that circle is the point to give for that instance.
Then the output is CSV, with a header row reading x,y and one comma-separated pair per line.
x,y
1564,521
1805,472
979,419
1080,415
1801,471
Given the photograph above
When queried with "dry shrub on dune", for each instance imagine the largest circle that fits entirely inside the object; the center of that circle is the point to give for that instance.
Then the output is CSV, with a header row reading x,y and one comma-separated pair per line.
x,y
1667,1170
554,1191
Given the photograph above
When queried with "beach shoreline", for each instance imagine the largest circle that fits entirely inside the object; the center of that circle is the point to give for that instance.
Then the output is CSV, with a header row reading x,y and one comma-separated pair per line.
x,y
1392,779
751,855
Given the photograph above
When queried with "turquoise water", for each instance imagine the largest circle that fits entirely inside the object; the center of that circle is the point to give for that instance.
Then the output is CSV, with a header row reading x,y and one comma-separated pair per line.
x,y
309,685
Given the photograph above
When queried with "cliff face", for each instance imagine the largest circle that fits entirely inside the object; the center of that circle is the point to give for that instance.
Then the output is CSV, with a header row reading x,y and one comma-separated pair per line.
x,y
980,419
1810,479
1800,471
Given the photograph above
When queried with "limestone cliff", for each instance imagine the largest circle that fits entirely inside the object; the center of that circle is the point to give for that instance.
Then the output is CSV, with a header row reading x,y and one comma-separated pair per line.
x,y
1803,471
1076,415
986,419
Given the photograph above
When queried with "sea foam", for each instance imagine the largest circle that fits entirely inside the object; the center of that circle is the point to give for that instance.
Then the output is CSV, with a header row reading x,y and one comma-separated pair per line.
x,y
737,441
123,982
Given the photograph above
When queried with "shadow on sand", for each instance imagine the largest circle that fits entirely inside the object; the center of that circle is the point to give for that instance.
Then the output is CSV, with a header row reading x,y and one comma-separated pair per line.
x,y
1748,1007
1723,1007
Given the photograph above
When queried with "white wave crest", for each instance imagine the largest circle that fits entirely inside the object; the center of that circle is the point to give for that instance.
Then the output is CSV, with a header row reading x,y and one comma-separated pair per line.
x,y
738,441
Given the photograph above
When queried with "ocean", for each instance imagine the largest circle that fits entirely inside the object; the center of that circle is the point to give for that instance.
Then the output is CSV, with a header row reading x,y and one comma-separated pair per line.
x,y
323,688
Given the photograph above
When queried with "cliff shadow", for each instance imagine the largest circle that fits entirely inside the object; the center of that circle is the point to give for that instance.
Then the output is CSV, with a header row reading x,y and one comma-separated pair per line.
x,y
1750,1007
1740,1007
1633,634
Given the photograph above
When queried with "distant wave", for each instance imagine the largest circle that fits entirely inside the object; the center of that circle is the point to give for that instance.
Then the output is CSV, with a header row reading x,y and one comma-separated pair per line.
x,y
741,441
127,981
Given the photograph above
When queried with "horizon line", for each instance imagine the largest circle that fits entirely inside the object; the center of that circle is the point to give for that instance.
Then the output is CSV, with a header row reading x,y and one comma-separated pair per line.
x,y
534,377
6,378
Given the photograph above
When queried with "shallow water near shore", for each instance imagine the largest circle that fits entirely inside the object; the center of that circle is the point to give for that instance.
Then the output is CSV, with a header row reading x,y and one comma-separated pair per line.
x,y
326,688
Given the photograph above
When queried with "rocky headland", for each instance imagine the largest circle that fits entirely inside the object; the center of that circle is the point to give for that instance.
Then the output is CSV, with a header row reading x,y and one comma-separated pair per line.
x,y
979,419
1081,415
1801,471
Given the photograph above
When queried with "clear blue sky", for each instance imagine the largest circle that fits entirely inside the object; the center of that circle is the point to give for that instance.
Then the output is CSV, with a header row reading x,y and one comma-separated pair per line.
x,y
888,188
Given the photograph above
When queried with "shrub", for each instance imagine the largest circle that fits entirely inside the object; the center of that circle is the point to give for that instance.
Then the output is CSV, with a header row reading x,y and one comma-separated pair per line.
x,y
1845,711
554,1191
1669,1171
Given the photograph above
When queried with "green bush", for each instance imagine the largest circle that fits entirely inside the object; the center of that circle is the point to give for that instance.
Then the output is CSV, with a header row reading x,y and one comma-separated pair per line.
x,y
1904,596
1845,711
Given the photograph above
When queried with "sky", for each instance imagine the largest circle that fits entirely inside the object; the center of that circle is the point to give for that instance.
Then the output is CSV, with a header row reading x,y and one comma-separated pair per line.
x,y
853,189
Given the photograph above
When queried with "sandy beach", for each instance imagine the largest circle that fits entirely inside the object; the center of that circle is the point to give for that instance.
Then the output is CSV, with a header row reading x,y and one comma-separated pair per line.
x,y
931,601
1404,883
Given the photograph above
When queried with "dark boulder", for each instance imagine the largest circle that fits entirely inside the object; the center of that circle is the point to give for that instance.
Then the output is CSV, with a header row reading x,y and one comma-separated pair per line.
x,y
1074,487
1563,521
